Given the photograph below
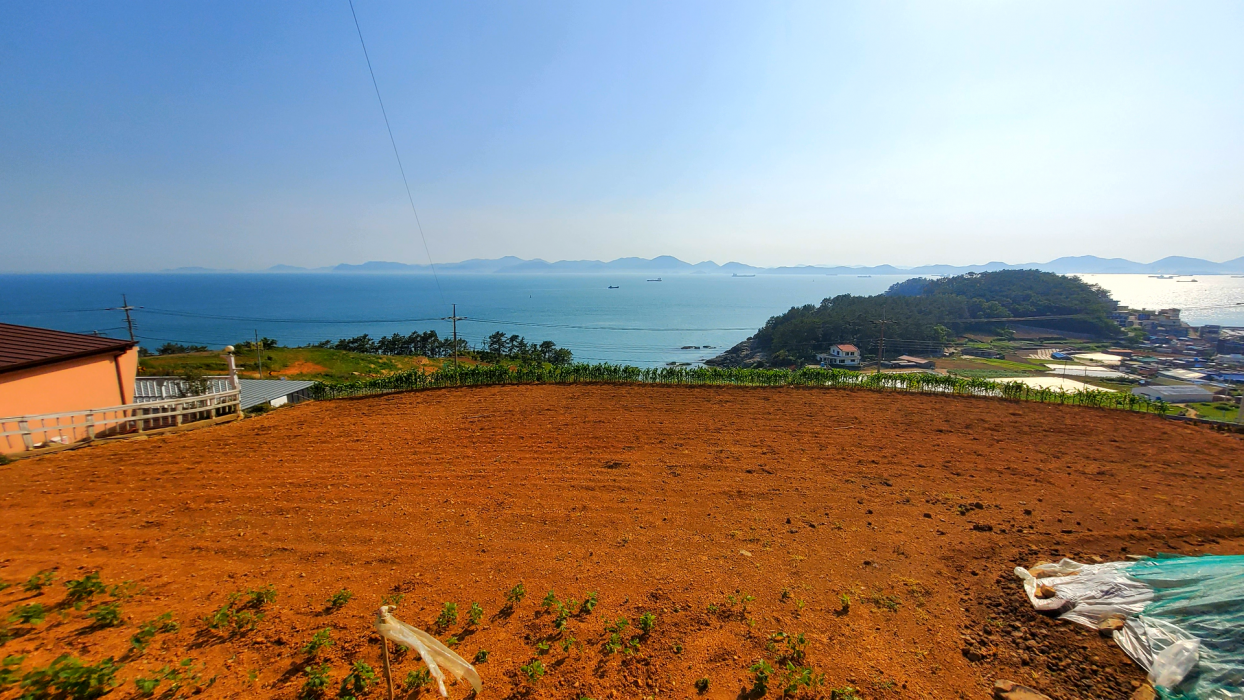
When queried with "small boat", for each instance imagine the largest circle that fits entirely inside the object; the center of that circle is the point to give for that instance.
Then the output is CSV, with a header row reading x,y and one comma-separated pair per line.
x,y
1163,277
738,275
1191,280
655,280
613,286
863,275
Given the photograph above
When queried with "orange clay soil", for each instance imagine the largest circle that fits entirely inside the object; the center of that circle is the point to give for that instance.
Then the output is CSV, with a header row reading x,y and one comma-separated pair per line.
x,y
729,514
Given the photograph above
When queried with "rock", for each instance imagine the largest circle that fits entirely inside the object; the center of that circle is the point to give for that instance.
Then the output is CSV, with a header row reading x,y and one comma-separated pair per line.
x,y
972,655
1045,592
982,527
1145,692
1010,690
1108,626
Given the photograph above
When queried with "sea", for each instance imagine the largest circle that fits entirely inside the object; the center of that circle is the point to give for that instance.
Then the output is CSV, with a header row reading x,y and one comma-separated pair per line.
x,y
620,318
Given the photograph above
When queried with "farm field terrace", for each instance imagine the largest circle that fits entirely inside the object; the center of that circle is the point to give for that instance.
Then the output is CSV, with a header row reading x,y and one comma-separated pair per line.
x,y
882,527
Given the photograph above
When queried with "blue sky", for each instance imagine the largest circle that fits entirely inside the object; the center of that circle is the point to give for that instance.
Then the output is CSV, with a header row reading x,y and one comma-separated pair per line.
x,y
141,136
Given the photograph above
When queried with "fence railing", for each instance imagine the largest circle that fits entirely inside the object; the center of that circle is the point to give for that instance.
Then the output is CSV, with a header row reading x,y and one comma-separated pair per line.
x,y
914,382
30,433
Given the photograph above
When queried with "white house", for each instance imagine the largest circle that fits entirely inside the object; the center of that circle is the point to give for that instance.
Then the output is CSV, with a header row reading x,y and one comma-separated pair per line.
x,y
840,356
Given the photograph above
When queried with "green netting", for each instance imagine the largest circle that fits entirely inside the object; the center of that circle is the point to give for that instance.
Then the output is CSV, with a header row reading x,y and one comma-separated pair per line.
x,y
1198,598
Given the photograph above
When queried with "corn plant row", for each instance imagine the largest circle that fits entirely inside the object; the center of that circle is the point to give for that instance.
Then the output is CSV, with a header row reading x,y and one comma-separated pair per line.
x,y
921,383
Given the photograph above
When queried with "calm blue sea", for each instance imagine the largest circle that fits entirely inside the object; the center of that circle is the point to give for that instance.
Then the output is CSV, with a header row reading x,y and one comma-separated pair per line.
x,y
642,323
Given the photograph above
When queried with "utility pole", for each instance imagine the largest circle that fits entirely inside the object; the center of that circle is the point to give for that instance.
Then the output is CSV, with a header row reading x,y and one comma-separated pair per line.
x,y
881,354
129,320
259,353
455,318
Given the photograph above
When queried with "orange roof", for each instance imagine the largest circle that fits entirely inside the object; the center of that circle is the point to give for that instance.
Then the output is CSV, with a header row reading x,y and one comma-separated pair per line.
x,y
847,348
22,347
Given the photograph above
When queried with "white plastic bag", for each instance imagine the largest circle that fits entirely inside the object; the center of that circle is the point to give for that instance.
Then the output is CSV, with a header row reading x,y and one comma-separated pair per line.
x,y
1174,662
434,653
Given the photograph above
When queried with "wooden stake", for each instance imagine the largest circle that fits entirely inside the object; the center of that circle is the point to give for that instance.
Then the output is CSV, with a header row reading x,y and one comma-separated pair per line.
x,y
388,674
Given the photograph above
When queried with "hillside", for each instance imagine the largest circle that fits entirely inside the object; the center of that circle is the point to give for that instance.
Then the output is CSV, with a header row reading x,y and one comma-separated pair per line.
x,y
319,364
732,516
922,313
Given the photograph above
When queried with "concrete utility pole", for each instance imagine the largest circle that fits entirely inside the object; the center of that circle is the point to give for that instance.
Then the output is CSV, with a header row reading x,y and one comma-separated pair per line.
x,y
1239,417
259,353
881,354
455,318
129,321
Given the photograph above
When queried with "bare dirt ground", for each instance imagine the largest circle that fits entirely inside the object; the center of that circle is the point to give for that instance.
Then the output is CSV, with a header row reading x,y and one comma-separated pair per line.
x,y
729,514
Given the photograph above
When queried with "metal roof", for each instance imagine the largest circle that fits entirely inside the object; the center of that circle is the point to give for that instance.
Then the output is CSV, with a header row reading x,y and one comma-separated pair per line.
x,y
1175,394
23,347
257,391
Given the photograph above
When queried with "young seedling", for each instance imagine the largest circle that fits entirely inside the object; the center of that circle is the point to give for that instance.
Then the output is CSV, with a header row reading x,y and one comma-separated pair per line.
x,y
41,580
106,615
785,595
797,678
647,621
148,630
358,680
31,614
338,600
9,668
550,599
125,590
316,682
481,656
79,591
261,597
761,671
516,594
451,642
534,670
320,640
448,616
68,676
417,679
568,642
474,614
846,603
589,604
701,686
393,599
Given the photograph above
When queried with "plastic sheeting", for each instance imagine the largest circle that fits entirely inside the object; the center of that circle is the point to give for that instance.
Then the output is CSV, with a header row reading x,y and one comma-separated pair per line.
x,y
434,654
1183,616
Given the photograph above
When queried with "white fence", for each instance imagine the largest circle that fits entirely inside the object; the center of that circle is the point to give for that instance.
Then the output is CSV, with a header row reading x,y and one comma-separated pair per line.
x,y
30,433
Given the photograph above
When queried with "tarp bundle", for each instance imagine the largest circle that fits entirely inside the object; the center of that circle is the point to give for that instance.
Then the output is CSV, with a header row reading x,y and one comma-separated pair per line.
x,y
434,654
1182,617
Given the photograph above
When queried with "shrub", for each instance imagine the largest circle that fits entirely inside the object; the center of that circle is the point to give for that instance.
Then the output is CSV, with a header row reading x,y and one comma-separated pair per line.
x,y
31,614
475,614
83,589
67,676
448,616
358,680
534,670
338,600
316,682
320,640
107,615
36,583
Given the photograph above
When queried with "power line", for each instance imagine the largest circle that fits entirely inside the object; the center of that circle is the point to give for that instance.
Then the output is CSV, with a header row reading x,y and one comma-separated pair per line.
x,y
397,155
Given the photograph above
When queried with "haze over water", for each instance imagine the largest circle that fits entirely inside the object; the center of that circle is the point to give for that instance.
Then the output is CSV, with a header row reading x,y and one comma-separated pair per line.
x,y
641,323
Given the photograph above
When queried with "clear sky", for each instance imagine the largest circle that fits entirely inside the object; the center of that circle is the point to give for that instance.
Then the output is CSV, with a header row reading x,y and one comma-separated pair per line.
x,y
148,135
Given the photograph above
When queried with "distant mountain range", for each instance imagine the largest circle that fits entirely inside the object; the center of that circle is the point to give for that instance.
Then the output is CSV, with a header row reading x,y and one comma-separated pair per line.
x,y
665,264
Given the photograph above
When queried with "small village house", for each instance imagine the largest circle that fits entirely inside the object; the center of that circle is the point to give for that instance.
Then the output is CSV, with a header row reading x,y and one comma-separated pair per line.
x,y
841,355
46,371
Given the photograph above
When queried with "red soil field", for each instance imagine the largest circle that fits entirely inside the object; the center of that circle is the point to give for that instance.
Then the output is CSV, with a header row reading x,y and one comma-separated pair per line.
x,y
728,513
